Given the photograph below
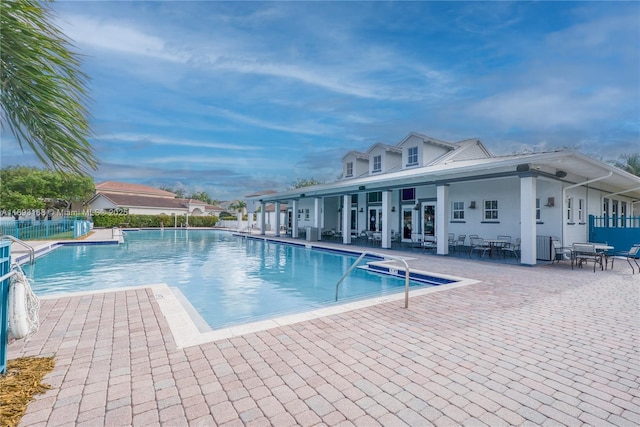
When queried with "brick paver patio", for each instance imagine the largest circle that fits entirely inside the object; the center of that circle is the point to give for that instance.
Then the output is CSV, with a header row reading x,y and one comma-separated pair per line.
x,y
542,345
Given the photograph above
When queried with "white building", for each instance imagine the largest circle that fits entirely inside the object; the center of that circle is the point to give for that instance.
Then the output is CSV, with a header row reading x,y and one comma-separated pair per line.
x,y
426,187
112,196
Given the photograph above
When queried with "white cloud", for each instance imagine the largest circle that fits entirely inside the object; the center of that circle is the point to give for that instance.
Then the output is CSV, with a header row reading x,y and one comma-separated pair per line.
x,y
178,142
118,37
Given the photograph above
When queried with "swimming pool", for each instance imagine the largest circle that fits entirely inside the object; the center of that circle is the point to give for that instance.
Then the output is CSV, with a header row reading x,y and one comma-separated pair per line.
x,y
229,280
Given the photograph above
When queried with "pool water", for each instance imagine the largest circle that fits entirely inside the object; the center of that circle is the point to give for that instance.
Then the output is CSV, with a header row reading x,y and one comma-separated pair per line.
x,y
228,279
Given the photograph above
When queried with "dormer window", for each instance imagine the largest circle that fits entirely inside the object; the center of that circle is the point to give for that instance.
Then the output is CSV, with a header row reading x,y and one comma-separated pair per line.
x,y
377,163
412,156
350,169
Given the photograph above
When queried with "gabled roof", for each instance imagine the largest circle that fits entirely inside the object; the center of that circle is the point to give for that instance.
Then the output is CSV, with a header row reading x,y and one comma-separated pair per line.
x,y
461,152
133,200
356,154
426,138
385,147
127,188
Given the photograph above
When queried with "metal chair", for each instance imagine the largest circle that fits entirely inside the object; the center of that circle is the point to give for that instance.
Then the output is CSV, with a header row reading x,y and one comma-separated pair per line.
x,y
561,253
512,248
631,254
585,252
478,244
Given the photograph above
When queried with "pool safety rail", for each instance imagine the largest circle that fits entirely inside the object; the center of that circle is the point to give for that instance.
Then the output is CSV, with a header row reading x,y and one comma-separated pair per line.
x,y
375,254
32,252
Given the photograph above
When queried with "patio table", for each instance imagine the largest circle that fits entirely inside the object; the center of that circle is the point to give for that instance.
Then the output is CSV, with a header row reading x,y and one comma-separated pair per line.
x,y
495,244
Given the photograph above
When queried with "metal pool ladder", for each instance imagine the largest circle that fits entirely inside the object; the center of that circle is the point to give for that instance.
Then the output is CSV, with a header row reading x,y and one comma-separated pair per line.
x,y
32,252
406,273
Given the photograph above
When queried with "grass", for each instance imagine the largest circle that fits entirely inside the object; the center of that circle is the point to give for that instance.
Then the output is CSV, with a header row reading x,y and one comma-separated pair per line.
x,y
18,386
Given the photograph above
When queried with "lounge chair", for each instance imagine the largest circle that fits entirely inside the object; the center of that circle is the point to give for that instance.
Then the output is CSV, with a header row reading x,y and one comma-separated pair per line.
x,y
631,254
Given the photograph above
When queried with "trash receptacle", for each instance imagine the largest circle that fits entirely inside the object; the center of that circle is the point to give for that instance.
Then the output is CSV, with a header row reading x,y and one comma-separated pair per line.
x,y
312,234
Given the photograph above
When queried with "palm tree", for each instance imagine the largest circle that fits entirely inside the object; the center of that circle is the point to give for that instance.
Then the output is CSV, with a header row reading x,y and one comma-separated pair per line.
x,y
238,206
629,162
43,95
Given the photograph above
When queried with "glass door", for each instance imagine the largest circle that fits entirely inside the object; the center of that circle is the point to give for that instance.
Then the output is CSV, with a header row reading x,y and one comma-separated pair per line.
x,y
408,222
429,219
375,219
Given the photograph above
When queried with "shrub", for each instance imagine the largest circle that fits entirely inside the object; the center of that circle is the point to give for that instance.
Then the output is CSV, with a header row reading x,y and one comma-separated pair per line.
x,y
109,220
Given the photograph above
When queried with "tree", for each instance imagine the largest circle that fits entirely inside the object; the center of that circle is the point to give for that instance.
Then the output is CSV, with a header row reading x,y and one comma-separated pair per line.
x,y
238,205
43,98
629,162
31,188
304,182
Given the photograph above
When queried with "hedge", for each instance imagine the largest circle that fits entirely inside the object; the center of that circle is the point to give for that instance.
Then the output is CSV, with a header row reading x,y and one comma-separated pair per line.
x,y
109,220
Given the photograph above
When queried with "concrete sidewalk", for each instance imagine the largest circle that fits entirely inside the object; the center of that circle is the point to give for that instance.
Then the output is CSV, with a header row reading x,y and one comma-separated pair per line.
x,y
542,345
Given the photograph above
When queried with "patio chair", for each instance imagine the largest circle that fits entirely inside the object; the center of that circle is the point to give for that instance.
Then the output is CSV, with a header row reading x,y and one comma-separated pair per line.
x,y
512,248
585,252
459,243
478,244
561,253
429,243
631,254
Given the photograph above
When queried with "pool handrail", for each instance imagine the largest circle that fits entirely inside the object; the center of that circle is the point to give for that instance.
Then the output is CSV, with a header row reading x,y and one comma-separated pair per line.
x,y
385,256
32,252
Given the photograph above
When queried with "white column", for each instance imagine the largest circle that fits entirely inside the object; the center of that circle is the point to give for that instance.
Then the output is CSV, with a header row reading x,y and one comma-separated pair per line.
x,y
528,220
277,225
442,219
294,220
386,220
346,219
262,213
317,204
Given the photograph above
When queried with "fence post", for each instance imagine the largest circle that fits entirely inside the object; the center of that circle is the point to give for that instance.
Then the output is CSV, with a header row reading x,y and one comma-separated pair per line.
x,y
5,267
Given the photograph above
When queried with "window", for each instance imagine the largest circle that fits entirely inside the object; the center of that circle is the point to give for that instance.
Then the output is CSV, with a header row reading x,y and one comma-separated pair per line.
x,y
570,209
458,210
605,207
377,163
354,199
490,209
374,197
581,210
350,169
538,209
412,156
306,214
408,194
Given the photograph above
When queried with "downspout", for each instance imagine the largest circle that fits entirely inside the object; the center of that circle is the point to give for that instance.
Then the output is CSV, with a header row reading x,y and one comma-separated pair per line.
x,y
564,201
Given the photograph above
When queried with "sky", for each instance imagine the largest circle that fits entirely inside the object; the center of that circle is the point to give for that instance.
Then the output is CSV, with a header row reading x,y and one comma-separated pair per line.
x,y
231,98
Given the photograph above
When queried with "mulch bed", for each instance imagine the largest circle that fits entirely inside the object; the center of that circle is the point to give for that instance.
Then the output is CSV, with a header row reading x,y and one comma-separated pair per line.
x,y
19,384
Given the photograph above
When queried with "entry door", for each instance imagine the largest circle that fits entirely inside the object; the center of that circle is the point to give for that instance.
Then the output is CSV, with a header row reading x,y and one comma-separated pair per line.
x,y
375,219
409,222
429,219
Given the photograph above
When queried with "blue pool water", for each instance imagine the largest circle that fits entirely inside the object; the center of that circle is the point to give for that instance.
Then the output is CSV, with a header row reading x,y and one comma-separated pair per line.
x,y
228,279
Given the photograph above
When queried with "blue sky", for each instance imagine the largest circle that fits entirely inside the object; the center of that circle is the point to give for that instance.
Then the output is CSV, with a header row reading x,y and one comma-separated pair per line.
x,y
236,97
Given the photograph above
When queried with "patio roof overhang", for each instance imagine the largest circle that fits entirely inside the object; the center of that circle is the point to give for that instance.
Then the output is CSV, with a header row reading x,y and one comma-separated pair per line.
x,y
569,166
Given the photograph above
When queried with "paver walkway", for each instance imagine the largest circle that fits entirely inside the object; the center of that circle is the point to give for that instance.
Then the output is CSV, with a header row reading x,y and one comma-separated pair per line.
x,y
542,345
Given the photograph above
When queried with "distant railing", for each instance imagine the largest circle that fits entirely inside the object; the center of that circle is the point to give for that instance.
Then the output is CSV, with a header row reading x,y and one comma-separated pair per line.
x,y
616,221
29,229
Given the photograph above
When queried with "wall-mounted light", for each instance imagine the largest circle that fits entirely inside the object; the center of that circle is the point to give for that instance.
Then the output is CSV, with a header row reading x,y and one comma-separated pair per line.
x,y
302,195
524,167
339,209
362,188
393,208
361,209
472,204
561,174
416,207
550,202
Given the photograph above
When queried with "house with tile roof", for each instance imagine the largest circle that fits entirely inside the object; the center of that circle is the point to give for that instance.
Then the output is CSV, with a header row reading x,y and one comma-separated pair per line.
x,y
113,196
424,187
